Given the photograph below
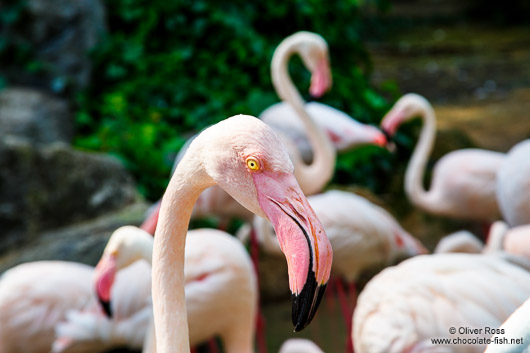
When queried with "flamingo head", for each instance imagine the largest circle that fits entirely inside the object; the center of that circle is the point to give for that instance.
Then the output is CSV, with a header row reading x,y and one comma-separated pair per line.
x,y
126,245
355,134
406,245
406,108
314,52
246,158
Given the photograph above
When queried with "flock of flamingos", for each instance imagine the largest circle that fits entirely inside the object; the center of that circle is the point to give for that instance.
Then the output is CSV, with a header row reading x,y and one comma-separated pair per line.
x,y
243,167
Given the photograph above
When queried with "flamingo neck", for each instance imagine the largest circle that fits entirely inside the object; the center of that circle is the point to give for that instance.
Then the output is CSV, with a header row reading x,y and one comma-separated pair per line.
x,y
169,301
416,169
313,177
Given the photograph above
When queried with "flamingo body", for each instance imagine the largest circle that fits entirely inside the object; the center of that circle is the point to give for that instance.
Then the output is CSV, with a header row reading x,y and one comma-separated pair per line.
x,y
34,297
513,185
516,327
404,307
463,184
461,241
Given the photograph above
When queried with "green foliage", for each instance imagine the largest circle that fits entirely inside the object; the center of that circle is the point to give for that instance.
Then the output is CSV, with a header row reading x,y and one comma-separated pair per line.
x,y
169,68
14,52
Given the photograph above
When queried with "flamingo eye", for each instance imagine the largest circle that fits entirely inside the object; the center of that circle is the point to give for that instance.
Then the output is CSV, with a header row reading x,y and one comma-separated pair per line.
x,y
253,164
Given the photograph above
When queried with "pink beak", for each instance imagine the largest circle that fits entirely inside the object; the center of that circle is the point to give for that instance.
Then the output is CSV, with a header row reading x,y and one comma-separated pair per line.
x,y
321,79
302,239
104,279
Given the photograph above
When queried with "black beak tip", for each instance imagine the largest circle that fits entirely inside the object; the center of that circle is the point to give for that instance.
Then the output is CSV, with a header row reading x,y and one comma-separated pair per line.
x,y
106,307
388,136
306,303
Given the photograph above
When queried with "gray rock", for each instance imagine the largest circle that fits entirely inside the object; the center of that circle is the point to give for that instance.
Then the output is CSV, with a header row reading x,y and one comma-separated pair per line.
x,y
35,116
82,242
54,186
61,33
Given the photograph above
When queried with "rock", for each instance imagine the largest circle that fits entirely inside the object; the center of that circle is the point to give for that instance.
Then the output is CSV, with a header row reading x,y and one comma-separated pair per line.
x,y
35,116
80,242
53,186
61,33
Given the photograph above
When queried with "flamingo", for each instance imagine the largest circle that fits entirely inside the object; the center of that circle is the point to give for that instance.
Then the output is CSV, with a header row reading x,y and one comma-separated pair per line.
x,y
514,334
463,182
402,308
513,185
292,119
246,158
514,240
218,270
299,345
35,297
461,241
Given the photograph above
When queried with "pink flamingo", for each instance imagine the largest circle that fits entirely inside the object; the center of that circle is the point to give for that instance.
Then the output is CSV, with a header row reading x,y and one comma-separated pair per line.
x,y
293,119
515,329
402,308
299,345
36,297
218,270
514,240
463,182
245,157
513,185
461,241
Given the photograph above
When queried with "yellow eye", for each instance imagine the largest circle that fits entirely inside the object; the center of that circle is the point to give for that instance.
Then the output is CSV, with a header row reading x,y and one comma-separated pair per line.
x,y
253,164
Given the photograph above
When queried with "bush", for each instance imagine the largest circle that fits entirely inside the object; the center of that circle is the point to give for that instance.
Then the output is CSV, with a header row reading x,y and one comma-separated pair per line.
x,y
167,69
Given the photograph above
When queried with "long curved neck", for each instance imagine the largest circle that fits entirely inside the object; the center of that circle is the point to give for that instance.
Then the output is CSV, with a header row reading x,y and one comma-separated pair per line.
x,y
169,301
312,178
416,168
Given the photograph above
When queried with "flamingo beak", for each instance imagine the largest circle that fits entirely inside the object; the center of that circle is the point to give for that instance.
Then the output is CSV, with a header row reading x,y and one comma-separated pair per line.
x,y
391,122
104,279
320,79
302,240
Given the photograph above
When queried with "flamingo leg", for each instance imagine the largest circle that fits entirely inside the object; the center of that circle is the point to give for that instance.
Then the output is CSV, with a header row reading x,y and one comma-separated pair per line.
x,y
213,347
347,312
486,228
352,295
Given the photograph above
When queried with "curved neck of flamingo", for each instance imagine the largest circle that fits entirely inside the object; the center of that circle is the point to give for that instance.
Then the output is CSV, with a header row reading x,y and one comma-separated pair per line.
x,y
169,301
416,167
313,177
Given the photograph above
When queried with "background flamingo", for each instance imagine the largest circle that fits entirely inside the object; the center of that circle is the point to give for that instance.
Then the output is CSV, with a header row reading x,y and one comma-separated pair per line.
x,y
246,158
221,292
404,306
516,327
463,182
515,241
461,241
37,296
299,345
513,185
